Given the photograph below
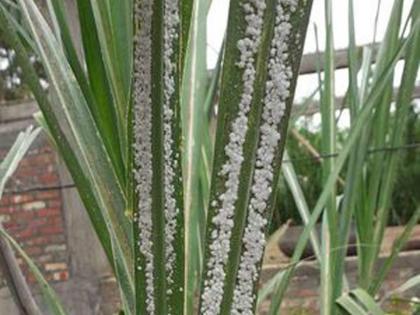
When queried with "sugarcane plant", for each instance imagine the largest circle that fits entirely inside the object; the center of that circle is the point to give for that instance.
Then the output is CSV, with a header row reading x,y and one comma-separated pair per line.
x,y
119,110
179,170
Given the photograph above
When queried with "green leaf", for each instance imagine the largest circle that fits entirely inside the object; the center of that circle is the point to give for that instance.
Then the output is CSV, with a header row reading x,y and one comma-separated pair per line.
x,y
158,70
114,33
225,173
354,170
79,127
300,200
403,102
95,90
351,306
78,131
193,96
15,18
378,134
359,302
329,146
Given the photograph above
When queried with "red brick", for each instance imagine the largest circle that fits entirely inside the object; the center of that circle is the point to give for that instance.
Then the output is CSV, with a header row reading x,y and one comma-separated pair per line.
x,y
27,172
61,276
56,203
22,216
48,194
47,149
40,226
39,240
55,220
24,162
21,198
48,179
34,205
8,209
26,233
30,278
5,200
33,251
11,225
56,266
48,230
42,159
46,212
36,223
303,293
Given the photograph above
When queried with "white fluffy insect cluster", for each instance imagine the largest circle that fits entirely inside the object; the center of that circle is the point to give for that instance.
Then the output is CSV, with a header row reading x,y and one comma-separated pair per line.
x,y
171,26
277,91
143,139
143,136
225,203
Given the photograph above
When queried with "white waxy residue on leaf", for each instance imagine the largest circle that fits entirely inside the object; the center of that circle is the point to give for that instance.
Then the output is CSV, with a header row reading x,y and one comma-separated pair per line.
x,y
277,91
171,23
219,246
143,140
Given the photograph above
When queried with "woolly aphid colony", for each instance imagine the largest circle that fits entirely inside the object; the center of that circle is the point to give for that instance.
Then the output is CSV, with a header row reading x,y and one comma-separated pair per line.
x,y
143,142
143,136
276,93
225,204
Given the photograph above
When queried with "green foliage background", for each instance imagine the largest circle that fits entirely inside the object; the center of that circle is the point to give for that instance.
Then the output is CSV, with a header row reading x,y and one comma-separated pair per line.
x,y
405,196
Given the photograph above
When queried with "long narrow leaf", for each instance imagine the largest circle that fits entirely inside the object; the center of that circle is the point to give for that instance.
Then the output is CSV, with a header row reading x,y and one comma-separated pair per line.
x,y
358,302
328,142
114,33
97,95
157,131
78,128
246,162
193,113
403,102
300,201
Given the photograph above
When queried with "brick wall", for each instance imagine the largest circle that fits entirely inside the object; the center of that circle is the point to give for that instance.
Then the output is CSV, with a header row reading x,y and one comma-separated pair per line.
x,y
35,217
52,225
